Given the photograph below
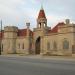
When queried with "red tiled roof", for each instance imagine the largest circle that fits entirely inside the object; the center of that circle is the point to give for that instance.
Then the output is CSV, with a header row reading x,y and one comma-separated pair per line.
x,y
41,14
55,29
23,32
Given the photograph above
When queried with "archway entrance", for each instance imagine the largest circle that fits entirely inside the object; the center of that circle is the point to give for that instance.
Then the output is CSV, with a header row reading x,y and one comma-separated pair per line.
x,y
37,46
73,49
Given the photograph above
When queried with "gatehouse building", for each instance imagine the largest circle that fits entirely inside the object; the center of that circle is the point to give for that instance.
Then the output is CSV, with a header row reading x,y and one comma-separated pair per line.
x,y
59,40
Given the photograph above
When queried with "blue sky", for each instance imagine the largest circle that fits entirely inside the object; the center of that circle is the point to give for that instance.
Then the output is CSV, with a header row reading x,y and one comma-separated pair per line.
x,y
18,12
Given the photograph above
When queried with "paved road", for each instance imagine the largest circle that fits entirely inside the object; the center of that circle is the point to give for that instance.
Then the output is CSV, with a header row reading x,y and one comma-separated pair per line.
x,y
10,65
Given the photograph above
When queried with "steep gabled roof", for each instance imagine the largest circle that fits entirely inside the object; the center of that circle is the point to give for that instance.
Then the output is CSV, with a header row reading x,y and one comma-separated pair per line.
x,y
55,29
41,14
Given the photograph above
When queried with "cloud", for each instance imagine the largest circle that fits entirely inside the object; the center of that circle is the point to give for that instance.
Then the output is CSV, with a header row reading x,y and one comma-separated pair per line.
x,y
17,12
10,11
35,1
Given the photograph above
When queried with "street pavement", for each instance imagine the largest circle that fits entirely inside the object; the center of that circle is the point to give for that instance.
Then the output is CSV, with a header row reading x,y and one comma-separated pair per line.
x,y
25,65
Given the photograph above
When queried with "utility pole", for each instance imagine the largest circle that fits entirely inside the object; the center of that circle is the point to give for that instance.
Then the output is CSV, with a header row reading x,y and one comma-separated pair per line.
x,y
1,37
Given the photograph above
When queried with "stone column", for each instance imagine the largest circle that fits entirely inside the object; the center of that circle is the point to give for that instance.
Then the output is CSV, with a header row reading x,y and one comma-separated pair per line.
x,y
41,51
28,38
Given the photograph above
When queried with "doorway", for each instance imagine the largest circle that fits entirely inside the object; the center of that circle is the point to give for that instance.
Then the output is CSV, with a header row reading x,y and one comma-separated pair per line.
x,y
37,46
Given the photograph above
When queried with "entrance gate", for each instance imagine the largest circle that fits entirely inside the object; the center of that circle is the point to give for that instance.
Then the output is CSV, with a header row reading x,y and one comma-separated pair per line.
x,y
37,46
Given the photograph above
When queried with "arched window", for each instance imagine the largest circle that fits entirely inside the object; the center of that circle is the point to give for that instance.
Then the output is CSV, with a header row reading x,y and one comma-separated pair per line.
x,y
19,45
23,46
55,45
48,46
65,44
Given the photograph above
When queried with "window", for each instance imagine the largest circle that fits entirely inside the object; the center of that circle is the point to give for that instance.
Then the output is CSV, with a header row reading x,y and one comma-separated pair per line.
x,y
23,46
65,44
48,46
55,45
19,46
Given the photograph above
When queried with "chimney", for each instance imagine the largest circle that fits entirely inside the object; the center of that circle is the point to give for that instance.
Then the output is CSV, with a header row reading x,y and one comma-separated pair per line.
x,y
28,31
67,21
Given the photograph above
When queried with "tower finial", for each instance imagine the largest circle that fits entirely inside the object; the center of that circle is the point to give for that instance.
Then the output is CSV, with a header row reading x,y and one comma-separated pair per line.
x,y
41,7
41,4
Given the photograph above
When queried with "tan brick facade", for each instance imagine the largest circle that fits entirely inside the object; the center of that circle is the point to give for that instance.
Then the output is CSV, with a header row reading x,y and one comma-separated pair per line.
x,y
43,40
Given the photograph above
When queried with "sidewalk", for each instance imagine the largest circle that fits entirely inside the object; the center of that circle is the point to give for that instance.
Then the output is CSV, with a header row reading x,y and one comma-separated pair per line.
x,y
42,57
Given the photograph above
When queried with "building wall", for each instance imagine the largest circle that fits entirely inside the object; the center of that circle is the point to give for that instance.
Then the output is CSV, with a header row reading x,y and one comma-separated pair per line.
x,y
9,39
49,40
53,43
22,45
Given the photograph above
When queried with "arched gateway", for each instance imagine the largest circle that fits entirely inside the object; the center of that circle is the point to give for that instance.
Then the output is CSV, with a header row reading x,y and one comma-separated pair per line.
x,y
37,45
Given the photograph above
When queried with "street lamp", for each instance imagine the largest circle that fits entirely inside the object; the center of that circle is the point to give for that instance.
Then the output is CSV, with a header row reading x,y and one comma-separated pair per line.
x,y
1,37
